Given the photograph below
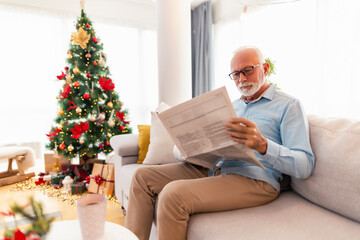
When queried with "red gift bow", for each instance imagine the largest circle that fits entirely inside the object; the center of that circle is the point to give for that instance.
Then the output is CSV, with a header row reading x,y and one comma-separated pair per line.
x,y
102,179
98,179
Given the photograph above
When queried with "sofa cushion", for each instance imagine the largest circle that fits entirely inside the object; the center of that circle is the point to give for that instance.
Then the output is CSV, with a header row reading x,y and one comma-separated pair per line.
x,y
161,145
335,182
143,142
288,217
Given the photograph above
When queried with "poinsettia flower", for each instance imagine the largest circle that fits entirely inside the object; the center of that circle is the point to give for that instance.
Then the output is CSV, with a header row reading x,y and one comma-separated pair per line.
x,y
121,117
106,84
52,134
79,129
62,76
65,92
19,235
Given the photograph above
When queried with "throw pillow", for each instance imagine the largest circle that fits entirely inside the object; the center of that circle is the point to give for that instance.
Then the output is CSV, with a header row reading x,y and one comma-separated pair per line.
x,y
161,145
144,141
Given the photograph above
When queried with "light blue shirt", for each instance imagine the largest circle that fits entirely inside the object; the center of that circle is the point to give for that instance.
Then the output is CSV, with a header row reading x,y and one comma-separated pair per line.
x,y
281,119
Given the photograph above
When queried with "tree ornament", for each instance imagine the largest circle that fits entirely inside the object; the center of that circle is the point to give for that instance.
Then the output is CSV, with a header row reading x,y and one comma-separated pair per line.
x,y
61,112
86,96
100,99
76,84
101,61
94,39
60,127
101,116
92,117
87,25
78,110
80,38
68,79
81,141
95,63
62,146
70,148
88,75
109,135
101,145
66,68
110,104
65,92
121,127
111,123
88,55
76,70
107,143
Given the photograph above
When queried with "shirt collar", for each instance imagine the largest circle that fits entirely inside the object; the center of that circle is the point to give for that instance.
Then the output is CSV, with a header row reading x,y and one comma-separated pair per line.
x,y
268,93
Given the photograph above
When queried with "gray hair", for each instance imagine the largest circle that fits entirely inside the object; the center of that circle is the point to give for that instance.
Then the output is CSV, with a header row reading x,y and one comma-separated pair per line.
x,y
255,49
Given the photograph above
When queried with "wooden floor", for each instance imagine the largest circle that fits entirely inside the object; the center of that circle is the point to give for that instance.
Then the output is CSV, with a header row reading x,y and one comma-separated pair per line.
x,y
52,204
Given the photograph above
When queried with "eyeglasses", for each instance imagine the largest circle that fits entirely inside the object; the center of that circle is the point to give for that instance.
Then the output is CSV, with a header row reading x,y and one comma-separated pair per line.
x,y
246,72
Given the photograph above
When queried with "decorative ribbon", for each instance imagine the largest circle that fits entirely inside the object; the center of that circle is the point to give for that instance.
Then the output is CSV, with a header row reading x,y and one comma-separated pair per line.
x,y
71,104
98,176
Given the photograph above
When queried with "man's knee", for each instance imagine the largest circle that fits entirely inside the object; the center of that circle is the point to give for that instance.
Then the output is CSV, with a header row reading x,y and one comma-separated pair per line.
x,y
173,198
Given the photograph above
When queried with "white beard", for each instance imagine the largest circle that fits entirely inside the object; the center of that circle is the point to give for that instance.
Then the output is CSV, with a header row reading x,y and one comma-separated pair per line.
x,y
254,88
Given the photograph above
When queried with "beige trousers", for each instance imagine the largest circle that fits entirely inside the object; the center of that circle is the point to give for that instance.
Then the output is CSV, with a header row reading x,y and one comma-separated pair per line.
x,y
182,190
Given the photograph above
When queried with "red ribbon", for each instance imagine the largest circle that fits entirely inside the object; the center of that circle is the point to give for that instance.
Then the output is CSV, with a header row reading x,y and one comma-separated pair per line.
x,y
71,104
102,179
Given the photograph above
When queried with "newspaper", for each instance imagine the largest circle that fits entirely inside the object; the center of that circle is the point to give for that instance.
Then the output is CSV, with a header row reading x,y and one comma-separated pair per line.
x,y
197,129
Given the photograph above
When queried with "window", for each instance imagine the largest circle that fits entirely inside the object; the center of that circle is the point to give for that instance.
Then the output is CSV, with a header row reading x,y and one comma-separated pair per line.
x,y
315,45
34,45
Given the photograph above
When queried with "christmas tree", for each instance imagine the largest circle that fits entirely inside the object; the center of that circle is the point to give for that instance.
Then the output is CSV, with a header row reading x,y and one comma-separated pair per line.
x,y
90,110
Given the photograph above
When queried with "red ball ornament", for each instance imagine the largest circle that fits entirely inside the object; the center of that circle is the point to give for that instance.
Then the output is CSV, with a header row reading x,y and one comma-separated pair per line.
x,y
121,128
86,96
76,84
95,63
88,55
88,75
87,25
101,145
94,39
66,68
62,146
107,143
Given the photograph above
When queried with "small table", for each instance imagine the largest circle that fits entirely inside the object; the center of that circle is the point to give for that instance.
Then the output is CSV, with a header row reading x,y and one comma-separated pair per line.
x,y
70,230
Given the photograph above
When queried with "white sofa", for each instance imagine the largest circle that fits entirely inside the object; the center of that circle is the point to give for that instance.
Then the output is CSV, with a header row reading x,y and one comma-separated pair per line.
x,y
324,206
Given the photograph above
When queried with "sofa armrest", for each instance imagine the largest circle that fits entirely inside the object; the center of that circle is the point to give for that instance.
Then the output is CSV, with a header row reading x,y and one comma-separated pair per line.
x,y
125,145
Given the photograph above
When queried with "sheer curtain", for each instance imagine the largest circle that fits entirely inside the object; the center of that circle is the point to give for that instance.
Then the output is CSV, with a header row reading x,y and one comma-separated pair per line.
x,y
315,46
34,45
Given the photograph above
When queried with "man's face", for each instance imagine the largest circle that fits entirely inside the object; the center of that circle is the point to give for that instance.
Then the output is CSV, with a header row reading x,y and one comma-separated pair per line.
x,y
251,84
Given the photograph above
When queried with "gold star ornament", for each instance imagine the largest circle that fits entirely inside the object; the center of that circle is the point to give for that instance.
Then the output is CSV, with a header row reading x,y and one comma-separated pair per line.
x,y
80,38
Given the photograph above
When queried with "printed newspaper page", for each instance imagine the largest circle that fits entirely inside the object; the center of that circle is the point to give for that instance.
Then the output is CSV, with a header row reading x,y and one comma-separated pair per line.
x,y
197,129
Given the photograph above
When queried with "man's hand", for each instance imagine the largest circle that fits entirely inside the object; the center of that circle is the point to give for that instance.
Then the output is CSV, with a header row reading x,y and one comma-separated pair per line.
x,y
245,131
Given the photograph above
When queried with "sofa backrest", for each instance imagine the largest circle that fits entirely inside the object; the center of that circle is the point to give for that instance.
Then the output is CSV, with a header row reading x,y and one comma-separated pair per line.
x,y
335,182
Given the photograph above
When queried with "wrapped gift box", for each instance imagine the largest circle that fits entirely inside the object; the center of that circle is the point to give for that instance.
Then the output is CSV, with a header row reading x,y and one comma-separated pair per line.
x,y
44,178
102,179
77,170
56,179
78,187
50,162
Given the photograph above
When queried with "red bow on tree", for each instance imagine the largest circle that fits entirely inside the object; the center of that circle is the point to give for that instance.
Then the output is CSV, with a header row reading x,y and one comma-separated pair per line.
x,y
79,129
66,91
53,133
106,84
98,179
62,76
121,117
72,105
